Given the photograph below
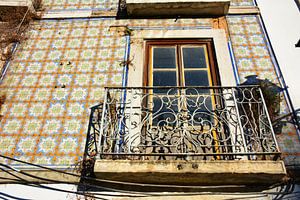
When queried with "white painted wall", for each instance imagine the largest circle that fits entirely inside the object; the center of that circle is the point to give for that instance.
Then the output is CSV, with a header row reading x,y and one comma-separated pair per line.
x,y
282,20
34,193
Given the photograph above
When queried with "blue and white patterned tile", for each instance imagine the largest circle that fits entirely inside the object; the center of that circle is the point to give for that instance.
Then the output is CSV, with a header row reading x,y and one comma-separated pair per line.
x,y
238,40
54,54
264,63
29,81
100,79
72,126
46,80
56,109
18,110
82,79
64,79
68,145
7,144
261,51
256,39
26,144
23,94
51,67
34,67
47,145
42,94
245,63
242,51
37,110
52,126
32,126
78,94
75,109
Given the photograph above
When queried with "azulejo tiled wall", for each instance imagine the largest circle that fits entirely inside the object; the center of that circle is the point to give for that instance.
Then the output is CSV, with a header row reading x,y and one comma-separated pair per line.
x,y
56,75
250,48
59,5
253,57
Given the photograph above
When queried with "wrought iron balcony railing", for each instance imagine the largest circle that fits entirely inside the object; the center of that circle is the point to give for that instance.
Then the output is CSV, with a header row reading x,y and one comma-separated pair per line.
x,y
192,123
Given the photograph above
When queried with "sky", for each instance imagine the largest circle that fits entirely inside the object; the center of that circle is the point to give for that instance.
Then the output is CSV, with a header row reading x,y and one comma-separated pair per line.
x,y
282,20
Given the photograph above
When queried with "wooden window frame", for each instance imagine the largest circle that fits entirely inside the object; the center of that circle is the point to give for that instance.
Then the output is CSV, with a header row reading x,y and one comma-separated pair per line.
x,y
213,68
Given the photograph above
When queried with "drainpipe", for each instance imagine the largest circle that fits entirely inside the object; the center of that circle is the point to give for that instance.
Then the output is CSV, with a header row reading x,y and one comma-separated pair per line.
x,y
280,76
7,62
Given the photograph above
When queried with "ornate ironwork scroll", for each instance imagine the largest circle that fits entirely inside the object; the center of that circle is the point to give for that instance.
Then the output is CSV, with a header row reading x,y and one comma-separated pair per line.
x,y
184,123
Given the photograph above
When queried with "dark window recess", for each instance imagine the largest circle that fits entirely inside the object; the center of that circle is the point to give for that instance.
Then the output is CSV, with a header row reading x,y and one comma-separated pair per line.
x,y
298,43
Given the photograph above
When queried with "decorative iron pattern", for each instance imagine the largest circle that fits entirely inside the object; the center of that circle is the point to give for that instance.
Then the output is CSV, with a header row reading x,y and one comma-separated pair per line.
x,y
184,123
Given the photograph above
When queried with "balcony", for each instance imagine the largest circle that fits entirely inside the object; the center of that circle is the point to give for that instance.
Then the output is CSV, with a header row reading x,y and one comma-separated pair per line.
x,y
17,3
157,8
184,135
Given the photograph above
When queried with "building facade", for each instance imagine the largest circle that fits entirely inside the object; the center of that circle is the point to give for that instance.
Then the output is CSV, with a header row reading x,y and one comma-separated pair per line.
x,y
126,99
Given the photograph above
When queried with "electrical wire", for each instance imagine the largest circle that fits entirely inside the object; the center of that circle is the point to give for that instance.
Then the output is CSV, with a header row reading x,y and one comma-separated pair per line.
x,y
27,183
58,182
13,197
3,198
115,182
118,182
19,26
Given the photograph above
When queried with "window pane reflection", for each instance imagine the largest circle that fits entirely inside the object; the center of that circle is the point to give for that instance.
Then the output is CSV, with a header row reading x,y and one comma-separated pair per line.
x,y
194,57
196,78
164,58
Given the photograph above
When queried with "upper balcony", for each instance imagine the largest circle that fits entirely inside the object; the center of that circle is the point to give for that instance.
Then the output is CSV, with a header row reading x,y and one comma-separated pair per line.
x,y
13,8
17,3
156,8
184,135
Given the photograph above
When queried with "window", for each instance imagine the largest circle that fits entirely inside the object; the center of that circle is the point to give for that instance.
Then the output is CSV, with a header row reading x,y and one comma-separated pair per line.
x,y
176,69
181,63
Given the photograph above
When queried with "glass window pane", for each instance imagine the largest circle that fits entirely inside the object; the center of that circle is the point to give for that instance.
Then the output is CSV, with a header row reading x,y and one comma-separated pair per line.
x,y
200,108
164,58
164,112
164,78
194,57
196,78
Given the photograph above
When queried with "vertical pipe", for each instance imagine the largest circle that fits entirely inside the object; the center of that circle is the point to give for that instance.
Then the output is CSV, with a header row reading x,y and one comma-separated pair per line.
x,y
6,64
123,92
235,69
280,77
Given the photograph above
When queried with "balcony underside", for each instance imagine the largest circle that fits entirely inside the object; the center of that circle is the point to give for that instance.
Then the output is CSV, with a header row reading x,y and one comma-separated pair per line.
x,y
154,8
192,173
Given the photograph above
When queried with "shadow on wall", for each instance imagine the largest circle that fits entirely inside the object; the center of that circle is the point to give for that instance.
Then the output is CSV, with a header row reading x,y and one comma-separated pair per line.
x,y
273,98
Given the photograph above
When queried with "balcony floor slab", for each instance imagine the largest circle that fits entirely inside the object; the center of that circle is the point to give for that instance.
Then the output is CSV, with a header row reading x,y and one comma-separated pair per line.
x,y
192,172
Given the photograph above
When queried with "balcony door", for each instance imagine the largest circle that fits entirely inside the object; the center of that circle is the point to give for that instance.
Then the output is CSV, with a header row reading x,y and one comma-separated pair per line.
x,y
182,101
179,69
181,63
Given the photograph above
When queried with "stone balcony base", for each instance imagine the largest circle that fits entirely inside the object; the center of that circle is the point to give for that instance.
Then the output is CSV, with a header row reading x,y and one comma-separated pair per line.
x,y
199,173
155,8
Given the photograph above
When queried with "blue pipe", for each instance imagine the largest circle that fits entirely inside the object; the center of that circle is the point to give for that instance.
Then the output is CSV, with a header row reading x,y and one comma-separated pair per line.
x,y
234,67
124,84
7,62
280,75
